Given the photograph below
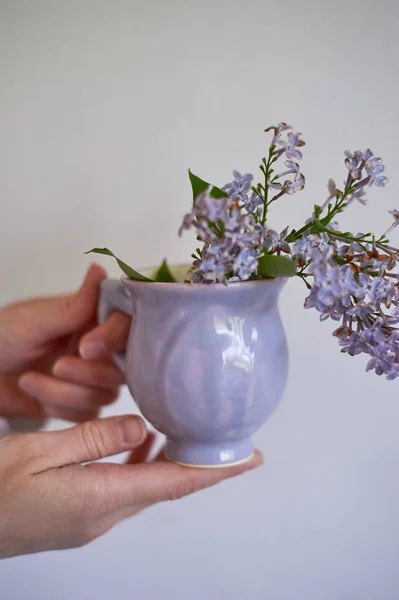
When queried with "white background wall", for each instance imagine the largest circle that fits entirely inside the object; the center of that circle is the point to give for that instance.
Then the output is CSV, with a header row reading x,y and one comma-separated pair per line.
x,y
103,107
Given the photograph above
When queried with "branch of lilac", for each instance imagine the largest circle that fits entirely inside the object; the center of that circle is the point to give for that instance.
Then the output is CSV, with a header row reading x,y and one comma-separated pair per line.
x,y
351,278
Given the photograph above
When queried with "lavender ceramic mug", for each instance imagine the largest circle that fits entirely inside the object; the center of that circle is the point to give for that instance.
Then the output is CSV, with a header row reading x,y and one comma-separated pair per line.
x,y
206,364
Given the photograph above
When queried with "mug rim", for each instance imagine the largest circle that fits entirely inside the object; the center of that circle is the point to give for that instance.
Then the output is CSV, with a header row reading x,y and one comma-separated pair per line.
x,y
183,285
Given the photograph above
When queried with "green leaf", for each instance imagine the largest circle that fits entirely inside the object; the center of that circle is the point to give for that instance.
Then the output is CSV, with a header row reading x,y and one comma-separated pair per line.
x,y
164,274
222,226
128,271
200,186
270,265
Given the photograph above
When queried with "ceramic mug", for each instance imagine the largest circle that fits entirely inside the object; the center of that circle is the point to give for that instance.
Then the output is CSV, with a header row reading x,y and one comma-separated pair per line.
x,y
206,364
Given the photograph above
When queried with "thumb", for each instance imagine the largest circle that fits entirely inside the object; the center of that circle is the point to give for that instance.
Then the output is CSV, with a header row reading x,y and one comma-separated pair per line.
x,y
87,442
57,316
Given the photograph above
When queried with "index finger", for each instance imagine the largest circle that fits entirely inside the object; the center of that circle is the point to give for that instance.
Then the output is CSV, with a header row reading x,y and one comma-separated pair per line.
x,y
106,339
148,483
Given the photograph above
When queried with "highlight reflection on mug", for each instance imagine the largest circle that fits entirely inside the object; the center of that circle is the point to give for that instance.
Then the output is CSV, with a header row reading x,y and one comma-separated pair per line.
x,y
237,353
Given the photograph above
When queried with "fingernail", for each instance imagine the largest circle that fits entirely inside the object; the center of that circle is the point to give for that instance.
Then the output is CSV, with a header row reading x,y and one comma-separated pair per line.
x,y
62,369
133,430
92,350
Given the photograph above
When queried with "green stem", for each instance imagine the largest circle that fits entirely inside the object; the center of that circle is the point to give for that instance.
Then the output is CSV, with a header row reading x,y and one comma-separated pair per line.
x,y
314,225
266,188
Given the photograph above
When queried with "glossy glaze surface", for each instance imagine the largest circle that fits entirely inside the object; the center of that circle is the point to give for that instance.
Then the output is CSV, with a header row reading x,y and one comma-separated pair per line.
x,y
206,364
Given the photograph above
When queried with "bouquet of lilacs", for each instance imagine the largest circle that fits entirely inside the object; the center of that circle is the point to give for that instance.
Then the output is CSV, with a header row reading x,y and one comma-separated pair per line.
x,y
350,278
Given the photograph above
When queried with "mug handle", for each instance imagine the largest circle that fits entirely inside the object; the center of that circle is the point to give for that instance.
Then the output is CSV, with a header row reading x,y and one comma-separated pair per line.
x,y
114,296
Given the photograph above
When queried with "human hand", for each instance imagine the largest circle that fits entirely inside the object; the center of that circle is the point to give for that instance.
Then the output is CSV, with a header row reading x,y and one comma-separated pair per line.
x,y
41,373
48,500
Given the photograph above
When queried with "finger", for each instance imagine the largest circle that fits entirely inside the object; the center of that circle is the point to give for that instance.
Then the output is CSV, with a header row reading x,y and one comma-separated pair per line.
x,y
143,452
56,392
108,338
68,414
14,402
56,316
112,519
96,373
147,483
87,442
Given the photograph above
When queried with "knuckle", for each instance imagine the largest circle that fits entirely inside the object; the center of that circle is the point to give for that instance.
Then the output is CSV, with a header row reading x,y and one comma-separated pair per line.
x,y
93,438
88,533
26,450
27,446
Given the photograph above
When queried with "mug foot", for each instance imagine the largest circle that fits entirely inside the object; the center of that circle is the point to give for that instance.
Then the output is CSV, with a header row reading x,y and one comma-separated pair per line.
x,y
209,455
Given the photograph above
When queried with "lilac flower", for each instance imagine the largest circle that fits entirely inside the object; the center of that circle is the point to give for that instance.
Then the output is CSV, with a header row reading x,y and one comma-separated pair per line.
x,y
275,242
333,226
373,333
360,309
359,195
275,184
204,231
278,130
205,210
354,162
295,186
349,285
381,290
333,193
292,167
333,288
288,187
367,154
233,240
243,231
353,344
393,373
379,362
314,248
213,269
254,202
212,209
188,221
320,249
238,188
302,249
395,214
290,146
332,189
326,289
375,168
246,263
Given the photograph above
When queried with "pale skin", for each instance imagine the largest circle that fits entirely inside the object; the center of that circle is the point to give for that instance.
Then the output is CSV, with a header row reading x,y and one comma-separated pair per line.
x,y
56,362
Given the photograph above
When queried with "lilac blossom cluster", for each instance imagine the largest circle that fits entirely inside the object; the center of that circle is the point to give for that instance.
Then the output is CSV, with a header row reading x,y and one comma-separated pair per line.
x,y
233,228
354,283
232,241
351,278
